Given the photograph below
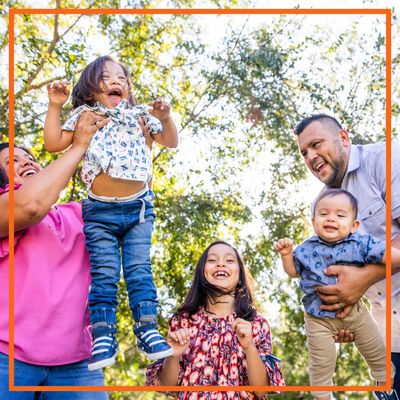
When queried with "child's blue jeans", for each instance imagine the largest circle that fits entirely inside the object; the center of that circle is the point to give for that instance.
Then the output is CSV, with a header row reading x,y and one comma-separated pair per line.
x,y
109,227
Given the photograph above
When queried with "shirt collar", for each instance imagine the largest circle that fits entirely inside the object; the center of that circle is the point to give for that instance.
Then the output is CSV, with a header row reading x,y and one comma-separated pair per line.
x,y
354,159
316,238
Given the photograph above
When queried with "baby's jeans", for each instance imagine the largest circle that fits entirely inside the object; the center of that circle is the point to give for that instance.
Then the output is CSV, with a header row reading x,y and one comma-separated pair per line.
x,y
322,349
111,224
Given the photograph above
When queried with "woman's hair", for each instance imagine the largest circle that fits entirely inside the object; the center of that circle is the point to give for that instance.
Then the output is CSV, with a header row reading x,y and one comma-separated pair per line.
x,y
3,172
201,291
90,79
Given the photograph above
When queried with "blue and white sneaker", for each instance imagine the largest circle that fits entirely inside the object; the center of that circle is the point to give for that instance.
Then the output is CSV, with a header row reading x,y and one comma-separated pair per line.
x,y
150,342
392,395
104,347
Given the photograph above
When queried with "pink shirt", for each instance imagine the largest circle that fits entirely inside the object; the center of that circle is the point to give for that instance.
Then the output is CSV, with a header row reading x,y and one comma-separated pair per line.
x,y
51,275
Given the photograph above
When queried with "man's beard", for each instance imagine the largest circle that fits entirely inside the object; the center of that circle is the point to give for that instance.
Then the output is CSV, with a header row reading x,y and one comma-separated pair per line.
x,y
338,168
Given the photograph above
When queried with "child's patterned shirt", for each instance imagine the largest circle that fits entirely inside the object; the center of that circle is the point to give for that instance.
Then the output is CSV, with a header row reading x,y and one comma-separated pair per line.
x,y
119,148
313,256
216,358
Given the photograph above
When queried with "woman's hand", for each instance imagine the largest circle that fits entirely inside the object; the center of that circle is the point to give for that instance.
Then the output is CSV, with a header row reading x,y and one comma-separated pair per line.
x,y
179,340
58,93
244,332
88,123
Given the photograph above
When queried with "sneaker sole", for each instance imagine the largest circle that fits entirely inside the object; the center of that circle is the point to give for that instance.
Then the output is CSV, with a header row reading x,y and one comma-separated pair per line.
x,y
103,363
159,355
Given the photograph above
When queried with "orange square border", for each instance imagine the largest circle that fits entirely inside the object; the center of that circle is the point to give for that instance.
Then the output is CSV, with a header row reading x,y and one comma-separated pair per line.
x,y
206,11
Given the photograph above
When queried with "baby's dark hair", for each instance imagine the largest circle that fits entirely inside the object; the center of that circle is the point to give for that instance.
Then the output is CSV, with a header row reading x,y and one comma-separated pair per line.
x,y
90,79
334,193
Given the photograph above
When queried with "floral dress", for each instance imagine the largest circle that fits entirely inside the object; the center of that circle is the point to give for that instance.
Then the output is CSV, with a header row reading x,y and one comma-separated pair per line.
x,y
216,358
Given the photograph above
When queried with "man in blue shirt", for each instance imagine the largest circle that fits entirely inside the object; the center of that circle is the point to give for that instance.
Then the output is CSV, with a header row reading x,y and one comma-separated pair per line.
x,y
361,170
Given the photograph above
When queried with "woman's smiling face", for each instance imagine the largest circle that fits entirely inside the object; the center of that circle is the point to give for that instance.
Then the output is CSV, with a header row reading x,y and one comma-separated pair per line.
x,y
25,165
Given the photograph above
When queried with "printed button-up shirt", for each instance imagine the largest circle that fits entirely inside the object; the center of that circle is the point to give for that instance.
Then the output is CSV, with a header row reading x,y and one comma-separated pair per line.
x,y
314,255
119,148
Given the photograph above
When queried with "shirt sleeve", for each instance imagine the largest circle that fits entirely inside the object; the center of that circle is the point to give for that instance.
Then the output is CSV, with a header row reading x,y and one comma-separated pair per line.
x,y
262,341
70,123
151,122
374,250
378,172
4,242
297,263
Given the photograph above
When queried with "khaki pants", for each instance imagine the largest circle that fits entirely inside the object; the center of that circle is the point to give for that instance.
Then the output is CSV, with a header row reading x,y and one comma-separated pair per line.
x,y
322,349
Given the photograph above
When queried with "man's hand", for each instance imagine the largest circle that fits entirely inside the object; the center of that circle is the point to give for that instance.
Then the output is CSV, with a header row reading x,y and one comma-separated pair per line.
x,y
58,93
87,125
352,282
344,336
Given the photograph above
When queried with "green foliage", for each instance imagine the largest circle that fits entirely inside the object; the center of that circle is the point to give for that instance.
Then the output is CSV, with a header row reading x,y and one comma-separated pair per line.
x,y
237,102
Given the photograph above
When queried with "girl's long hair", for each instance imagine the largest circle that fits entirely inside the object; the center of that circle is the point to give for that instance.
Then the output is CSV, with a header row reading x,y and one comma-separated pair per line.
x,y
201,291
90,79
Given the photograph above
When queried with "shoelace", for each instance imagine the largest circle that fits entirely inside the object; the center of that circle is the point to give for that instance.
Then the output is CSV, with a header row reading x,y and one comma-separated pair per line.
x,y
105,342
148,337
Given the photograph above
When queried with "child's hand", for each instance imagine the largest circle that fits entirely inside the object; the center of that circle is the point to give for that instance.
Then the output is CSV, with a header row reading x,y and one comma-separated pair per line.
x,y
179,340
244,332
160,109
58,93
284,247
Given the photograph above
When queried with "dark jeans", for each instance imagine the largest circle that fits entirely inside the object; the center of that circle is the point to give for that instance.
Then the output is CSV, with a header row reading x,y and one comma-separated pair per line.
x,y
109,227
76,374
396,362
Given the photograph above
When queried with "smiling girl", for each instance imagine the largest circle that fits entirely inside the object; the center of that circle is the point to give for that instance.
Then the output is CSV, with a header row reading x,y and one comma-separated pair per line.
x,y
119,212
217,336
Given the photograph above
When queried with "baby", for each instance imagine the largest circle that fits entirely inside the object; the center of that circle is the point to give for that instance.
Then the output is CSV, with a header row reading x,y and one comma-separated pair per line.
x,y
336,242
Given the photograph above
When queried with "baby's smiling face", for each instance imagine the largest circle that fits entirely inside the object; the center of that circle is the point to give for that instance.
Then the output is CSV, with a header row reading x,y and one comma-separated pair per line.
x,y
114,85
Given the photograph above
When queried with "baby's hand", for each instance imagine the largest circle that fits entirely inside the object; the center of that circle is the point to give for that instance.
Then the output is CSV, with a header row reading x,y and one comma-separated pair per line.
x,y
160,109
58,92
284,247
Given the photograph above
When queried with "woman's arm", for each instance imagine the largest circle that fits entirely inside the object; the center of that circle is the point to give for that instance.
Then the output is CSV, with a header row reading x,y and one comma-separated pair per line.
x,y
36,196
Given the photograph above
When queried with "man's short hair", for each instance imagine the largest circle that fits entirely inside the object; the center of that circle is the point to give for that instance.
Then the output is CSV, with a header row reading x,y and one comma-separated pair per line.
x,y
334,193
321,117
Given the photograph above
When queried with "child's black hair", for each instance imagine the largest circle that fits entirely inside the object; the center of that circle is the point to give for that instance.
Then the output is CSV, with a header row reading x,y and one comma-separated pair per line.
x,y
90,79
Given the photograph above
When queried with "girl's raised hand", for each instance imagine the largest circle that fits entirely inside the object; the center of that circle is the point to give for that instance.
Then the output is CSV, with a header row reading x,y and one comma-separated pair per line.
x,y
244,332
160,109
179,340
58,92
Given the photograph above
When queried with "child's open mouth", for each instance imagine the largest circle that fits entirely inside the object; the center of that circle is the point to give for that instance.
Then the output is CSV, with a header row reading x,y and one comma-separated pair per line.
x,y
115,96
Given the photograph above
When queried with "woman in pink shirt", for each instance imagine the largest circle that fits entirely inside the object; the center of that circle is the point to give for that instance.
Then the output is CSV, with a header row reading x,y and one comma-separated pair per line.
x,y
51,276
